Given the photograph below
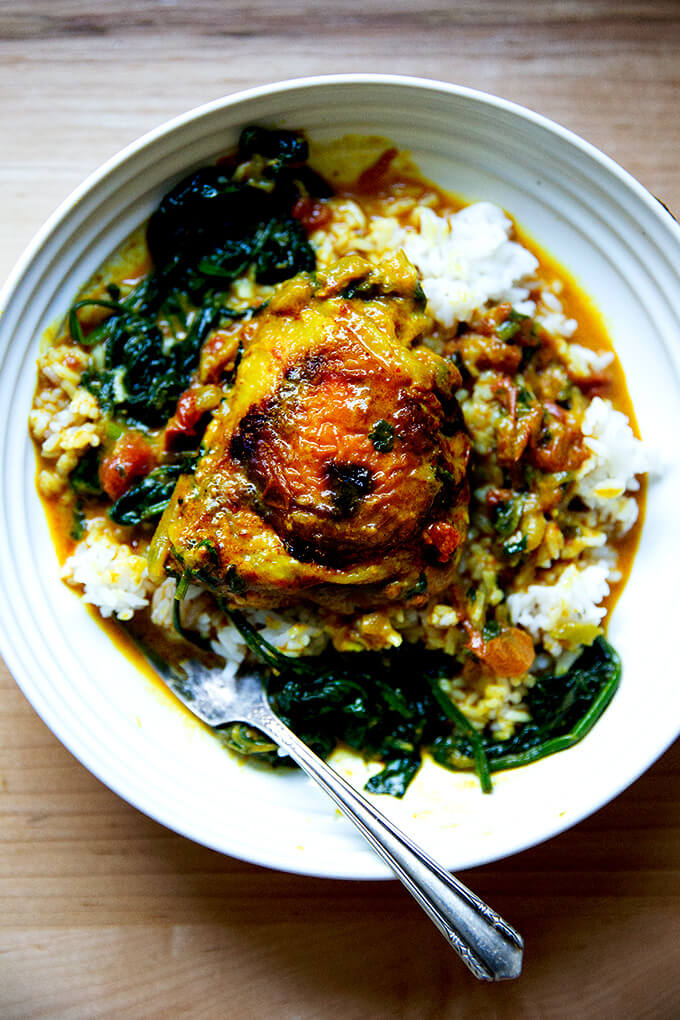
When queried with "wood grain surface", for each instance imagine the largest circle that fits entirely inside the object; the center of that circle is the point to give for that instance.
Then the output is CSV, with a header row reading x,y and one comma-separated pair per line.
x,y
103,913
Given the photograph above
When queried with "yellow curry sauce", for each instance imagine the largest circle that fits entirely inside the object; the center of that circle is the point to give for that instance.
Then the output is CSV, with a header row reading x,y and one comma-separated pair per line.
x,y
247,451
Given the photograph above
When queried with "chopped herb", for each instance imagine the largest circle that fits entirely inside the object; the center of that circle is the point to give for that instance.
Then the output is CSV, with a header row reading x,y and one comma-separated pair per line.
x,y
419,295
505,517
382,436
78,526
418,588
113,430
515,546
507,330
491,630
448,487
528,351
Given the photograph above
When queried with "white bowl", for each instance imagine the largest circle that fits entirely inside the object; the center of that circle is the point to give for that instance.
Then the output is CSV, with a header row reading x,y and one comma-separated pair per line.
x,y
599,223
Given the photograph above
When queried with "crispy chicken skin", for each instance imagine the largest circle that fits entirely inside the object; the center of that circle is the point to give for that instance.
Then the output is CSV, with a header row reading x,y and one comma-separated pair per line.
x,y
334,471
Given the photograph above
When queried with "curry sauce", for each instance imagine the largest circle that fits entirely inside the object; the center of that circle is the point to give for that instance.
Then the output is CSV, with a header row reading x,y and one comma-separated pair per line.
x,y
266,409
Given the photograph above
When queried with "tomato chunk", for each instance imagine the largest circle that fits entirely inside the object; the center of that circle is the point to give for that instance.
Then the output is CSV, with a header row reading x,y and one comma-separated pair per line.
x,y
443,538
131,458
509,654
311,213
187,422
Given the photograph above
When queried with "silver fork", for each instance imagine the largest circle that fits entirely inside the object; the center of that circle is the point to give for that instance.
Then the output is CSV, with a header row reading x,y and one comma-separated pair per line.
x,y
490,947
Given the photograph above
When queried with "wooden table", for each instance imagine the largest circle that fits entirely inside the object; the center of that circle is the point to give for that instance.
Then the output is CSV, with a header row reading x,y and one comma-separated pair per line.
x,y
105,913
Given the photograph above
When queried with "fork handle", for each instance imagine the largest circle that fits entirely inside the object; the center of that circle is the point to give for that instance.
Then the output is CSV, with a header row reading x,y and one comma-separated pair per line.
x,y
490,947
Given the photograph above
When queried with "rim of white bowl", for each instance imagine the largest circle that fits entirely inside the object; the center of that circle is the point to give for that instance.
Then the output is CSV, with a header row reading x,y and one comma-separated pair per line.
x,y
313,81
21,668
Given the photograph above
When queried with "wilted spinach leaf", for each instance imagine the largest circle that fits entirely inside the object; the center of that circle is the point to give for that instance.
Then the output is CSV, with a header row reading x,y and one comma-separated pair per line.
x,y
84,478
282,252
563,710
147,499
391,707
207,230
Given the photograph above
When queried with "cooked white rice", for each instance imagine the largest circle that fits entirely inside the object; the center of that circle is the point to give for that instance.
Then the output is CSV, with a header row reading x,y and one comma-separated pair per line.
x,y
616,458
565,612
467,260
113,577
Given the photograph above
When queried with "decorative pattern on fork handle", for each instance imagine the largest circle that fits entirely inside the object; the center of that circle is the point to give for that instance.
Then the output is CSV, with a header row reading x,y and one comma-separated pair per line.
x,y
490,947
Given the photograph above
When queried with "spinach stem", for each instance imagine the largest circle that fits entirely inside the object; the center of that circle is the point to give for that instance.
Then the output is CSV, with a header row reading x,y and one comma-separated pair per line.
x,y
464,724
259,646
566,740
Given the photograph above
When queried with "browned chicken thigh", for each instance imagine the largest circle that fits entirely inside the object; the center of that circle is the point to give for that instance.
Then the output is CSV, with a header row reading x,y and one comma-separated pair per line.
x,y
334,470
